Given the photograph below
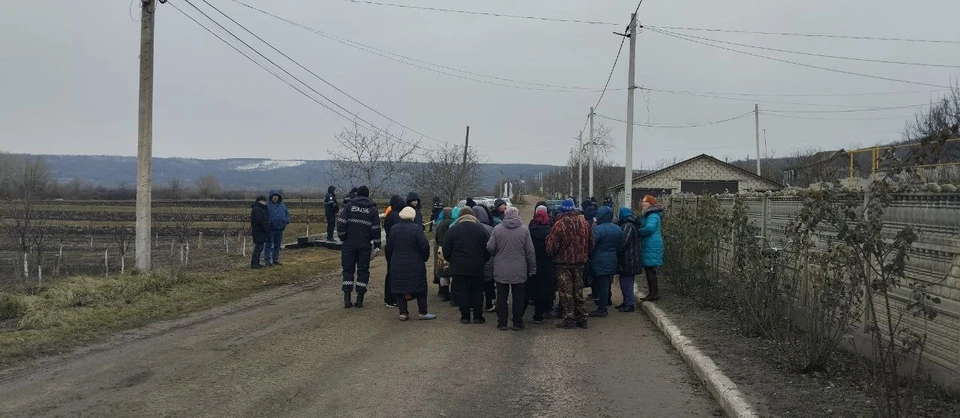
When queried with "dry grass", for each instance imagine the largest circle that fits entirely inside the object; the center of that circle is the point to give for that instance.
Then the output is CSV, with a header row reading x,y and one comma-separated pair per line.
x,y
83,309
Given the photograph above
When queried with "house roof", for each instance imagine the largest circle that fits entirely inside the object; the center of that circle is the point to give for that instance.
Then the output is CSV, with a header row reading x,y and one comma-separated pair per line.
x,y
700,157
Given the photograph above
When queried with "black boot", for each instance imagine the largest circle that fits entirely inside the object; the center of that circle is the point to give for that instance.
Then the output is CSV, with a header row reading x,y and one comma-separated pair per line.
x,y
359,303
444,293
346,300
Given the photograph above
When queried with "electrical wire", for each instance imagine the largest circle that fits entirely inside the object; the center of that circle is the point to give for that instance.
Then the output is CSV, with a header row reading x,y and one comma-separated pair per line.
x,y
809,35
744,99
791,95
778,115
319,77
470,12
869,109
616,60
687,125
372,128
400,58
921,64
688,39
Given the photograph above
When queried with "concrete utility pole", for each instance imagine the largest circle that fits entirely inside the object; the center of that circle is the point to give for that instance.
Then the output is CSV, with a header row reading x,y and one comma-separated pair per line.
x,y
580,167
631,76
148,10
756,116
593,153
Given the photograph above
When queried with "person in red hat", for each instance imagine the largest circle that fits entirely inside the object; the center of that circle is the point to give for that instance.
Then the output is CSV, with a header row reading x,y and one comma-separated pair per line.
x,y
652,244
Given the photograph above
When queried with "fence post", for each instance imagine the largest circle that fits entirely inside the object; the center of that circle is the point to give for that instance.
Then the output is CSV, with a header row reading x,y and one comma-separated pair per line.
x,y
39,274
244,247
106,263
181,253
764,215
188,253
26,266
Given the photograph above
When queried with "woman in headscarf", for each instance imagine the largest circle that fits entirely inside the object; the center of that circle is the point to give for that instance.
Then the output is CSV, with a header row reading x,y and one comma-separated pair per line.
x,y
489,286
652,244
407,252
628,258
515,260
541,287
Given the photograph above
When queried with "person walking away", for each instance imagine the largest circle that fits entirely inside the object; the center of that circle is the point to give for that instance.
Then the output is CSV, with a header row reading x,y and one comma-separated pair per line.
x,y
279,219
607,239
514,260
437,211
489,284
358,227
496,215
413,201
440,267
465,247
407,252
542,286
392,219
652,245
569,243
259,228
331,208
628,258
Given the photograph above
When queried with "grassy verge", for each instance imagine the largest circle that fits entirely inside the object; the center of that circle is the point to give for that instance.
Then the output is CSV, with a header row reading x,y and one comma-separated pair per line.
x,y
79,310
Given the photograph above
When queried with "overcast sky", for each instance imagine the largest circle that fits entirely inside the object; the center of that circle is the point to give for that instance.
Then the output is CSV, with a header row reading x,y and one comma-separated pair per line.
x,y
69,85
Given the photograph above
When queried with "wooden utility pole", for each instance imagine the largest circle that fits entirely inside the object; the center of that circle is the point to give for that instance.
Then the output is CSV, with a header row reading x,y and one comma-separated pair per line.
x,y
145,136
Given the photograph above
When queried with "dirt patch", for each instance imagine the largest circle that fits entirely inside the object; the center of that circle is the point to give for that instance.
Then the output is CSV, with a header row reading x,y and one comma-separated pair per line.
x,y
774,390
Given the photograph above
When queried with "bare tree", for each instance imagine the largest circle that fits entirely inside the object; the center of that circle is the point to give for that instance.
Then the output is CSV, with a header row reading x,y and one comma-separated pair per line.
x,y
444,174
209,186
174,189
122,236
25,181
932,128
372,160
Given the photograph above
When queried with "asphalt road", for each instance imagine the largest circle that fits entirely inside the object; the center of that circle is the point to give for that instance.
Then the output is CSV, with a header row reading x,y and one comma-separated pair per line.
x,y
302,354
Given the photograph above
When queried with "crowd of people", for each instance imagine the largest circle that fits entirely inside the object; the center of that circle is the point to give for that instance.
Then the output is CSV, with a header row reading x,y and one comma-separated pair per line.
x,y
487,260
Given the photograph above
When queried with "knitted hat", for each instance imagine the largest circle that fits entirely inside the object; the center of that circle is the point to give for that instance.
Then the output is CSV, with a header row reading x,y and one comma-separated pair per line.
x,y
567,206
363,191
625,212
408,213
541,208
650,200
467,211
470,202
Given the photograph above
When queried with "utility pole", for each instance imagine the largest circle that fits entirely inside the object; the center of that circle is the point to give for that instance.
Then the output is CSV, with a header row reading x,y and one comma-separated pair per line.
x,y
631,76
580,167
463,168
756,117
148,10
593,151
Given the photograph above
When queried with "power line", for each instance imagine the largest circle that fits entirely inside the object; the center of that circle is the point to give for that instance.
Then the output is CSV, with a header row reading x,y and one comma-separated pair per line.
x,y
743,99
318,76
812,35
355,118
778,115
470,12
687,125
688,39
400,58
616,60
869,109
791,95
840,57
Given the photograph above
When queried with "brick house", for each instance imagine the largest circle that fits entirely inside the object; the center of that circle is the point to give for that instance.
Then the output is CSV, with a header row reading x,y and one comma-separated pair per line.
x,y
701,174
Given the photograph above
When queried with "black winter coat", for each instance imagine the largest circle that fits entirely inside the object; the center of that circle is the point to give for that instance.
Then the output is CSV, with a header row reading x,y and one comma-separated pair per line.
x,y
259,223
407,250
359,224
629,258
330,204
542,285
465,247
418,219
396,205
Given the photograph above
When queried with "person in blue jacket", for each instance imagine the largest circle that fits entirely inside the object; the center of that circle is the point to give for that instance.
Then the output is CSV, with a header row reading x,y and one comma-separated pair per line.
x,y
279,219
607,240
651,244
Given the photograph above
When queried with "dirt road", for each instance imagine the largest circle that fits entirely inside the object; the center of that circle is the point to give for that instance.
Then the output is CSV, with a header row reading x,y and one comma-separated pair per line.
x,y
304,355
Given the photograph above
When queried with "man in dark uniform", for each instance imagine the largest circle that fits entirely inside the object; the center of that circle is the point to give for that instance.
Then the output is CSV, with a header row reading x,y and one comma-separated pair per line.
x,y
358,227
331,207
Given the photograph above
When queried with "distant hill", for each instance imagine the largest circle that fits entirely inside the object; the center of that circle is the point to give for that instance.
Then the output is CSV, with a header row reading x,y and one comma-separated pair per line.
x,y
234,173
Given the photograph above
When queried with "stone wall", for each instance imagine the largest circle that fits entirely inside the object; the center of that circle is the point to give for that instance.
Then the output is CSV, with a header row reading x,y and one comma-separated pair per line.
x,y
934,259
